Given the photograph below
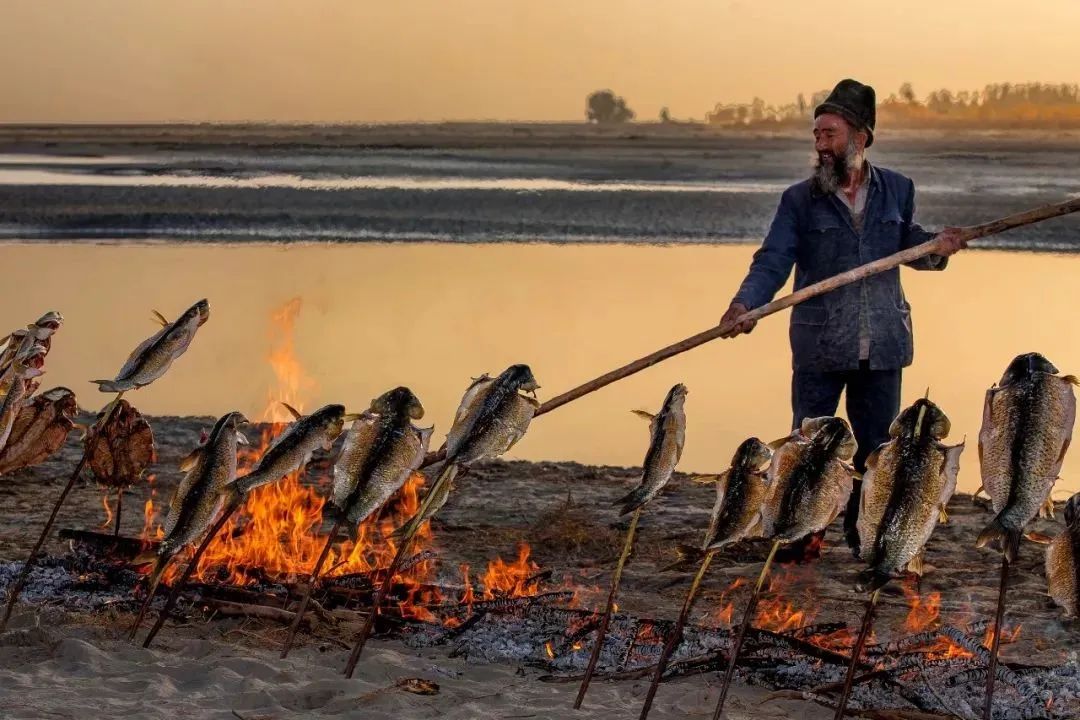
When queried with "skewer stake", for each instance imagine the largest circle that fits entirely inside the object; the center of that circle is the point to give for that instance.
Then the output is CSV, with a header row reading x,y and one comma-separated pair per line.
x,y
860,642
311,586
999,616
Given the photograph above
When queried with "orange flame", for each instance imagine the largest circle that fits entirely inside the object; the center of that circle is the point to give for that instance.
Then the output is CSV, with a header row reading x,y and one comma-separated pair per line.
x,y
549,651
923,614
108,511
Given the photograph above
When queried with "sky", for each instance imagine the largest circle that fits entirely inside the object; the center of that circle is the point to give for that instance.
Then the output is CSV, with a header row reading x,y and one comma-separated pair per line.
x,y
431,60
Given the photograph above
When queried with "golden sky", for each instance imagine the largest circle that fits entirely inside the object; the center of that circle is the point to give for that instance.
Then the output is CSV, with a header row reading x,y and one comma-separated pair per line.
x,y
398,60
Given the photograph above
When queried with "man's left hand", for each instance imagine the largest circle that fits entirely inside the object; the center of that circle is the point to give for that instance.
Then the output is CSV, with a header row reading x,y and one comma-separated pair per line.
x,y
950,241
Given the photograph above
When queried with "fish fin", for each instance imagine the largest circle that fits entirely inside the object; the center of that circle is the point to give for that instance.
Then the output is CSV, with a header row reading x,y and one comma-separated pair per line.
x,y
755,526
871,579
1047,510
781,442
292,411
706,479
241,438
1039,538
644,415
1008,537
160,319
943,517
109,386
1071,379
916,565
191,459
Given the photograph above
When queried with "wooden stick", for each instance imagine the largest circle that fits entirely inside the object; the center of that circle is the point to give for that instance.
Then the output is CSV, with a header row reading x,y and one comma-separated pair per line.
x,y
860,642
676,635
973,232
311,586
119,505
178,586
999,616
742,630
601,631
20,582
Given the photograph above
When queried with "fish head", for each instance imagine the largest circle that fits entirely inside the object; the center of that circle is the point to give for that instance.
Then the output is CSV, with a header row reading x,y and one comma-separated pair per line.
x,y
831,433
921,417
1024,366
676,395
50,321
1072,512
520,377
752,453
329,419
399,402
200,311
63,399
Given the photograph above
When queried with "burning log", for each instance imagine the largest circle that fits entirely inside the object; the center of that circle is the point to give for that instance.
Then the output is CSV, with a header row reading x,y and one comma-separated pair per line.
x,y
226,608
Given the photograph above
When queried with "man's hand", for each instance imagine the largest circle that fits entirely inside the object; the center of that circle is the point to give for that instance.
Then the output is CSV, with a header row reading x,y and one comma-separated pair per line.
x,y
728,321
950,241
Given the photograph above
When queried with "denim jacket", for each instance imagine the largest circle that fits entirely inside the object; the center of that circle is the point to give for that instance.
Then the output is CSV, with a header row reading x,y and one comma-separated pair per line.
x,y
814,233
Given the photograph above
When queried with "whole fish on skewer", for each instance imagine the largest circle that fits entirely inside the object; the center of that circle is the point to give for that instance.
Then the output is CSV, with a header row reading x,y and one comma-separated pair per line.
x,y
740,492
210,467
21,341
667,434
492,417
1026,429
907,484
1063,561
153,357
381,451
16,393
809,479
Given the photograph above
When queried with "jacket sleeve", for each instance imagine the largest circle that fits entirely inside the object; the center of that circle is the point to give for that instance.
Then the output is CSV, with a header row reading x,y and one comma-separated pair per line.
x,y
913,234
773,261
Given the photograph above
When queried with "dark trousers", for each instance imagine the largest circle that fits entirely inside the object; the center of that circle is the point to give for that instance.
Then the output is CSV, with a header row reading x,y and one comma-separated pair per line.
x,y
873,402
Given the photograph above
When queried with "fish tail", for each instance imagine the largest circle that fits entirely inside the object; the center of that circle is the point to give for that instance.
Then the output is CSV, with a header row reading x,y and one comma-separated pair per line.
x,y
109,386
633,500
436,494
997,531
871,579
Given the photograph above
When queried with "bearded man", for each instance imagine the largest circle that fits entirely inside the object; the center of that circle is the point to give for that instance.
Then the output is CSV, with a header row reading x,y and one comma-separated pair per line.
x,y
858,337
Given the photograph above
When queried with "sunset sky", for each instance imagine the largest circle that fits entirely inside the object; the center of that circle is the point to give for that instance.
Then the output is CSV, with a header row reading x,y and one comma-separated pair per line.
x,y
372,61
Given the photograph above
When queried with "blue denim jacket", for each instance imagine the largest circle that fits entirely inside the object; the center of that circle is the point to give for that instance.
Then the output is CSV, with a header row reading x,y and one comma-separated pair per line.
x,y
814,233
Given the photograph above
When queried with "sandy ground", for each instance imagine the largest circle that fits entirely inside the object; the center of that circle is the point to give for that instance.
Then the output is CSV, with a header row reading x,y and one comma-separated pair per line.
x,y
55,664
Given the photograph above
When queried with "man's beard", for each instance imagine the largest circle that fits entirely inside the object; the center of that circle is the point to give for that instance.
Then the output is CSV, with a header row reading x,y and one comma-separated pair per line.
x,y
833,171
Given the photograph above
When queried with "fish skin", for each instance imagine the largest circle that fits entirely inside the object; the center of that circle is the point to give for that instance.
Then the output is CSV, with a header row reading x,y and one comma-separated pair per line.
x,y
39,430
155,355
1026,430
292,449
809,479
381,451
667,432
1063,562
492,417
739,496
907,484
16,396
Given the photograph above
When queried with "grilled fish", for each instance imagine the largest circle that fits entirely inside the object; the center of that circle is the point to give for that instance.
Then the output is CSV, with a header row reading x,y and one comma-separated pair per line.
x,y
16,395
39,430
210,467
492,417
667,431
153,357
293,448
381,451
809,479
740,492
1026,429
1063,561
907,484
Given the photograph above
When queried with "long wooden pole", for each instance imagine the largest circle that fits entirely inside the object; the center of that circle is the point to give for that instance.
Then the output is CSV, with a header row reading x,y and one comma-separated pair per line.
x,y
310,588
860,643
999,616
973,232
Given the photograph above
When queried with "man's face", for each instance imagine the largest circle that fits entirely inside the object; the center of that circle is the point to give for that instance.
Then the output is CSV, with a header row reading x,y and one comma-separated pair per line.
x,y
839,151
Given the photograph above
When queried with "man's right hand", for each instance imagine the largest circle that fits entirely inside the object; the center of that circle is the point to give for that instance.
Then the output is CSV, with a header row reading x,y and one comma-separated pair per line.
x,y
731,328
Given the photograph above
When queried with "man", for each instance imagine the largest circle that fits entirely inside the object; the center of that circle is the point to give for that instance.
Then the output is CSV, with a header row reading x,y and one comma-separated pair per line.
x,y
857,337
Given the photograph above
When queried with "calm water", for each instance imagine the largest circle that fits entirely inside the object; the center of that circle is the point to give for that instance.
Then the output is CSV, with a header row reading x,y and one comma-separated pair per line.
x,y
431,316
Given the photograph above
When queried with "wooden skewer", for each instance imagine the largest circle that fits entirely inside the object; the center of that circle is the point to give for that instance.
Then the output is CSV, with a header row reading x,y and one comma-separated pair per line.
x,y
119,506
20,582
676,635
307,593
999,616
860,642
601,631
742,630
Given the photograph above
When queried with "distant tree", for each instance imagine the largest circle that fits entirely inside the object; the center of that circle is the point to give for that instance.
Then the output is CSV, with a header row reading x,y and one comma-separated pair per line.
x,y
665,115
907,93
801,103
603,106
